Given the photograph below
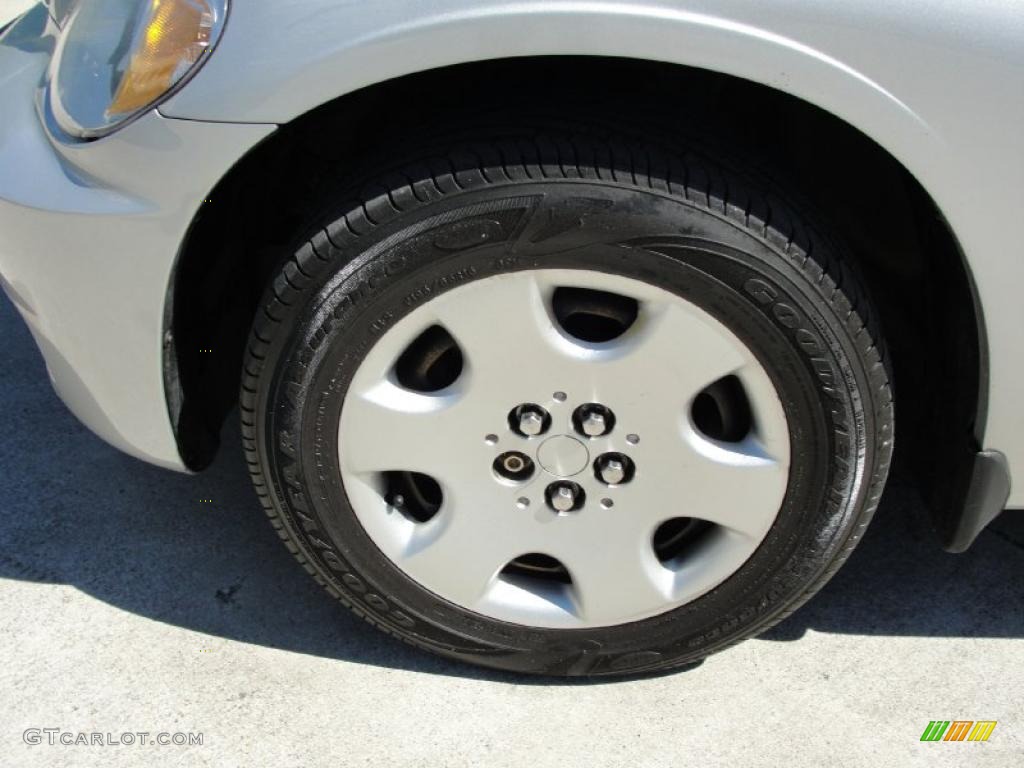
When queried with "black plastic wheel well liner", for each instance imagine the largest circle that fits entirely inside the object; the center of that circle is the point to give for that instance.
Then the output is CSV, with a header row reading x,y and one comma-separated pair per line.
x,y
906,252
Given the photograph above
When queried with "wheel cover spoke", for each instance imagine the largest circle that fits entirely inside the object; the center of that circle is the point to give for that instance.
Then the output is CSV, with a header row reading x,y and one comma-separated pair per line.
x,y
388,427
655,345
457,554
618,578
739,487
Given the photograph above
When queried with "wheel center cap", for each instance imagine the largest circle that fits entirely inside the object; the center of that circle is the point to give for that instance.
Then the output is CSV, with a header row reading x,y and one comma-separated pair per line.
x,y
563,456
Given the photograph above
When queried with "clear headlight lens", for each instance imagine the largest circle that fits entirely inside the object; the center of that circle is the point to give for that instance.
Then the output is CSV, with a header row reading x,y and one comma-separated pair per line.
x,y
117,58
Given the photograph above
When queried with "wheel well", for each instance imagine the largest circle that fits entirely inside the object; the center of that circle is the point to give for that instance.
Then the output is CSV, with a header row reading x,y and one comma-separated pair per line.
x,y
906,252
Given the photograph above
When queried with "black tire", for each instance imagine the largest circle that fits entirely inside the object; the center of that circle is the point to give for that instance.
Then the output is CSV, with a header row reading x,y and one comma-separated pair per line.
x,y
723,239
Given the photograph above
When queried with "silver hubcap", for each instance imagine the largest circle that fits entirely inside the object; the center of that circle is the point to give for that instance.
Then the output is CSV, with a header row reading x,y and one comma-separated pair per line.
x,y
576,483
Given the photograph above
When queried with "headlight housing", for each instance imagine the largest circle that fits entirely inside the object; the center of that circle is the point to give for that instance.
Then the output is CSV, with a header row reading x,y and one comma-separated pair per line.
x,y
116,59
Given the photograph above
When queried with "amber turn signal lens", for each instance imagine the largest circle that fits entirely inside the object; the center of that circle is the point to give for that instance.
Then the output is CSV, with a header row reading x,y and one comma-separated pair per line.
x,y
175,35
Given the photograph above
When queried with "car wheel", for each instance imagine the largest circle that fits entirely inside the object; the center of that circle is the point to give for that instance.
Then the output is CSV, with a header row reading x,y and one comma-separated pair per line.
x,y
567,404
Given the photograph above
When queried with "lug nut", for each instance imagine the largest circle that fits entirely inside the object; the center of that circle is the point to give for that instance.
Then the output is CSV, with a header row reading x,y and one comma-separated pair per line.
x,y
564,496
529,420
513,465
593,420
613,472
613,468
563,499
594,424
530,423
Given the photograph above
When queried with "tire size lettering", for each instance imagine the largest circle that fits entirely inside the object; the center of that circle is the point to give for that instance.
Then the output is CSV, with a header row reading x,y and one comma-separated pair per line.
x,y
440,284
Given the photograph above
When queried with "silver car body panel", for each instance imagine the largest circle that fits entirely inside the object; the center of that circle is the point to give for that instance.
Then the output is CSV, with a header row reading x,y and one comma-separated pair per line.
x,y
89,233
938,83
